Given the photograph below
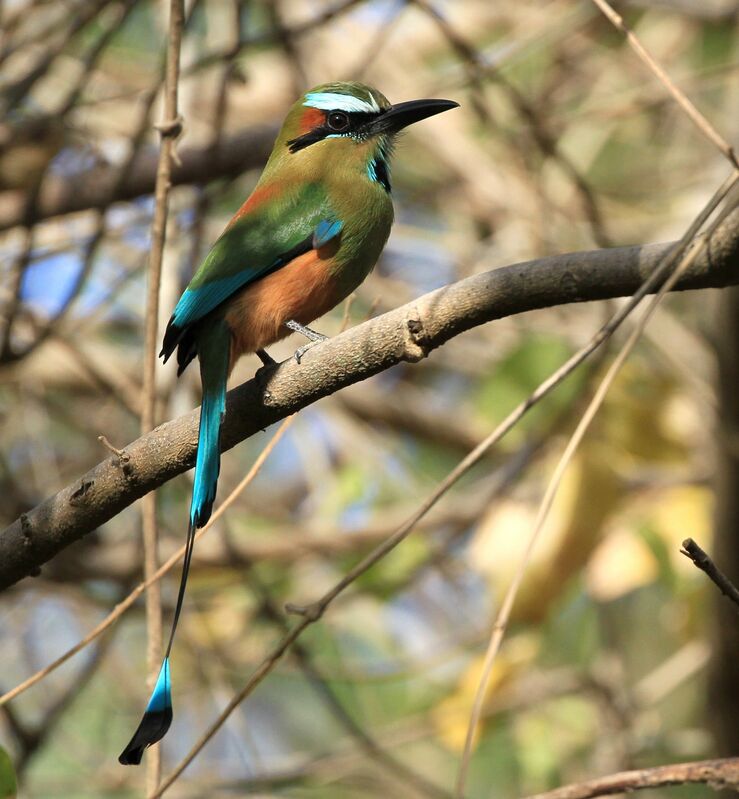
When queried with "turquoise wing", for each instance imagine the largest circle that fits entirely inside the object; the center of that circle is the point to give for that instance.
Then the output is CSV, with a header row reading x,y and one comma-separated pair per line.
x,y
254,245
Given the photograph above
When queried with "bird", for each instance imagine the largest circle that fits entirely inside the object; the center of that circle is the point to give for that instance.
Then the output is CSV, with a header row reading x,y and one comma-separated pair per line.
x,y
310,232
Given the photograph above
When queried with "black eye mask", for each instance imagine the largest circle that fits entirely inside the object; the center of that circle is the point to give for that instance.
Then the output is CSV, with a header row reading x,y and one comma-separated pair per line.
x,y
359,124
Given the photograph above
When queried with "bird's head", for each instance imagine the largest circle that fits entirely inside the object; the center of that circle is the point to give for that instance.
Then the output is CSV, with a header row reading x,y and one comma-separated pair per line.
x,y
348,121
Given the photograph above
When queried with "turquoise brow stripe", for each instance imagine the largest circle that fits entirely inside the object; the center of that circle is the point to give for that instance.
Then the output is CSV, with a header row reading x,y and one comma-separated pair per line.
x,y
333,101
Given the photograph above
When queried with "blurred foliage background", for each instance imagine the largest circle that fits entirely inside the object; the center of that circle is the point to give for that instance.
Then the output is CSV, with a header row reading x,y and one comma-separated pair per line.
x,y
563,142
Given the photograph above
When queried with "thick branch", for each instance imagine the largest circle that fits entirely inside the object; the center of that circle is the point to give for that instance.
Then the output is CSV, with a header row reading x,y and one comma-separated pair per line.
x,y
719,774
408,333
92,191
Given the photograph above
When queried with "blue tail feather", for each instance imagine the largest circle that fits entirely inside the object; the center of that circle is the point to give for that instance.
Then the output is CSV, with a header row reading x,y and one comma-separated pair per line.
x,y
155,722
208,464
161,696
214,354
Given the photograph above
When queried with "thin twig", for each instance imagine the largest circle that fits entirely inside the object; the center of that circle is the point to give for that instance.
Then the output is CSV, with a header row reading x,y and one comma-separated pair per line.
x,y
705,127
169,130
503,616
244,150
702,560
504,478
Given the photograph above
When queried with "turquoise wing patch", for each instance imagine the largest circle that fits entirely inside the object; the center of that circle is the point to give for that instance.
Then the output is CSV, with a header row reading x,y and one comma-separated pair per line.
x,y
196,303
326,230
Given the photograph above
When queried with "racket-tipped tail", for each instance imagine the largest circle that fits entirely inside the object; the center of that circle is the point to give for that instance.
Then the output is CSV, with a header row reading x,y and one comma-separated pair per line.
x,y
155,722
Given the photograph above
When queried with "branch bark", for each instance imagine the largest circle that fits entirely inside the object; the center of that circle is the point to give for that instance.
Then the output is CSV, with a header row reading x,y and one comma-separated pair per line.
x,y
718,774
408,333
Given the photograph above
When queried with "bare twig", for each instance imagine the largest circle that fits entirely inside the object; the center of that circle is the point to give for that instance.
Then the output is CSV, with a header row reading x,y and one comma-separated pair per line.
x,y
717,774
700,121
702,560
169,129
121,453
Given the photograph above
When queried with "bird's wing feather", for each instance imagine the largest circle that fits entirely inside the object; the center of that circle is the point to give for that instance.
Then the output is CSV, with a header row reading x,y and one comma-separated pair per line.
x,y
326,230
263,238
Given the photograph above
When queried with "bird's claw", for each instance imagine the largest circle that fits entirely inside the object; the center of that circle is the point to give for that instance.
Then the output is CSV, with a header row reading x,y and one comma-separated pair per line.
x,y
300,351
314,337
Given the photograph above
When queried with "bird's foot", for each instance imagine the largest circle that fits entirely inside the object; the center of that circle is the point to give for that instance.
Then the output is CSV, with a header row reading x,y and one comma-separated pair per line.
x,y
300,351
308,333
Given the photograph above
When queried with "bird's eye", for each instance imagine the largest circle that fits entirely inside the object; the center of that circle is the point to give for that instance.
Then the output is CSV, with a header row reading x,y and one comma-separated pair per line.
x,y
337,120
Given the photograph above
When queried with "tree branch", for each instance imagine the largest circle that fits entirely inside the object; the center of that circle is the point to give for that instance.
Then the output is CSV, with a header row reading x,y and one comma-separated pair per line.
x,y
92,191
718,774
408,333
703,562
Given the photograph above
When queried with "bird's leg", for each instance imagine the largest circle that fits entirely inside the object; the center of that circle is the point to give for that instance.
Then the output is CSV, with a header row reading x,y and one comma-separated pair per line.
x,y
308,333
265,358
305,331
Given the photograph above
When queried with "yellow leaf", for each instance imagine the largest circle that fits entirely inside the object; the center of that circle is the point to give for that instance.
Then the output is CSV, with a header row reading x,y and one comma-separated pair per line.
x,y
622,563
451,716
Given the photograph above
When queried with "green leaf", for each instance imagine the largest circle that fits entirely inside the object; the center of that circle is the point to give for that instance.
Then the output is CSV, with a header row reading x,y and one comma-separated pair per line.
x,y
8,784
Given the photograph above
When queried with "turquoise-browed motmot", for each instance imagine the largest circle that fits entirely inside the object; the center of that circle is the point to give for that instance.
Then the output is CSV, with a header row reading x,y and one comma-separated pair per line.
x,y
308,235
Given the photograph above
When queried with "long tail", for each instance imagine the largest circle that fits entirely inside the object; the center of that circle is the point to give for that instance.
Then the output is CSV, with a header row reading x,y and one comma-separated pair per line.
x,y
214,353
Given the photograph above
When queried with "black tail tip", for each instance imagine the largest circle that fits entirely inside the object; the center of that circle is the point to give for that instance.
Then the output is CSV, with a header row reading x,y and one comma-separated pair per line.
x,y
131,755
201,516
153,728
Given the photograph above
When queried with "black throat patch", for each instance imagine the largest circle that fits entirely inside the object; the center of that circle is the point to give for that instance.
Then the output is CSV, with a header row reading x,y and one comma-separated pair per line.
x,y
378,171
